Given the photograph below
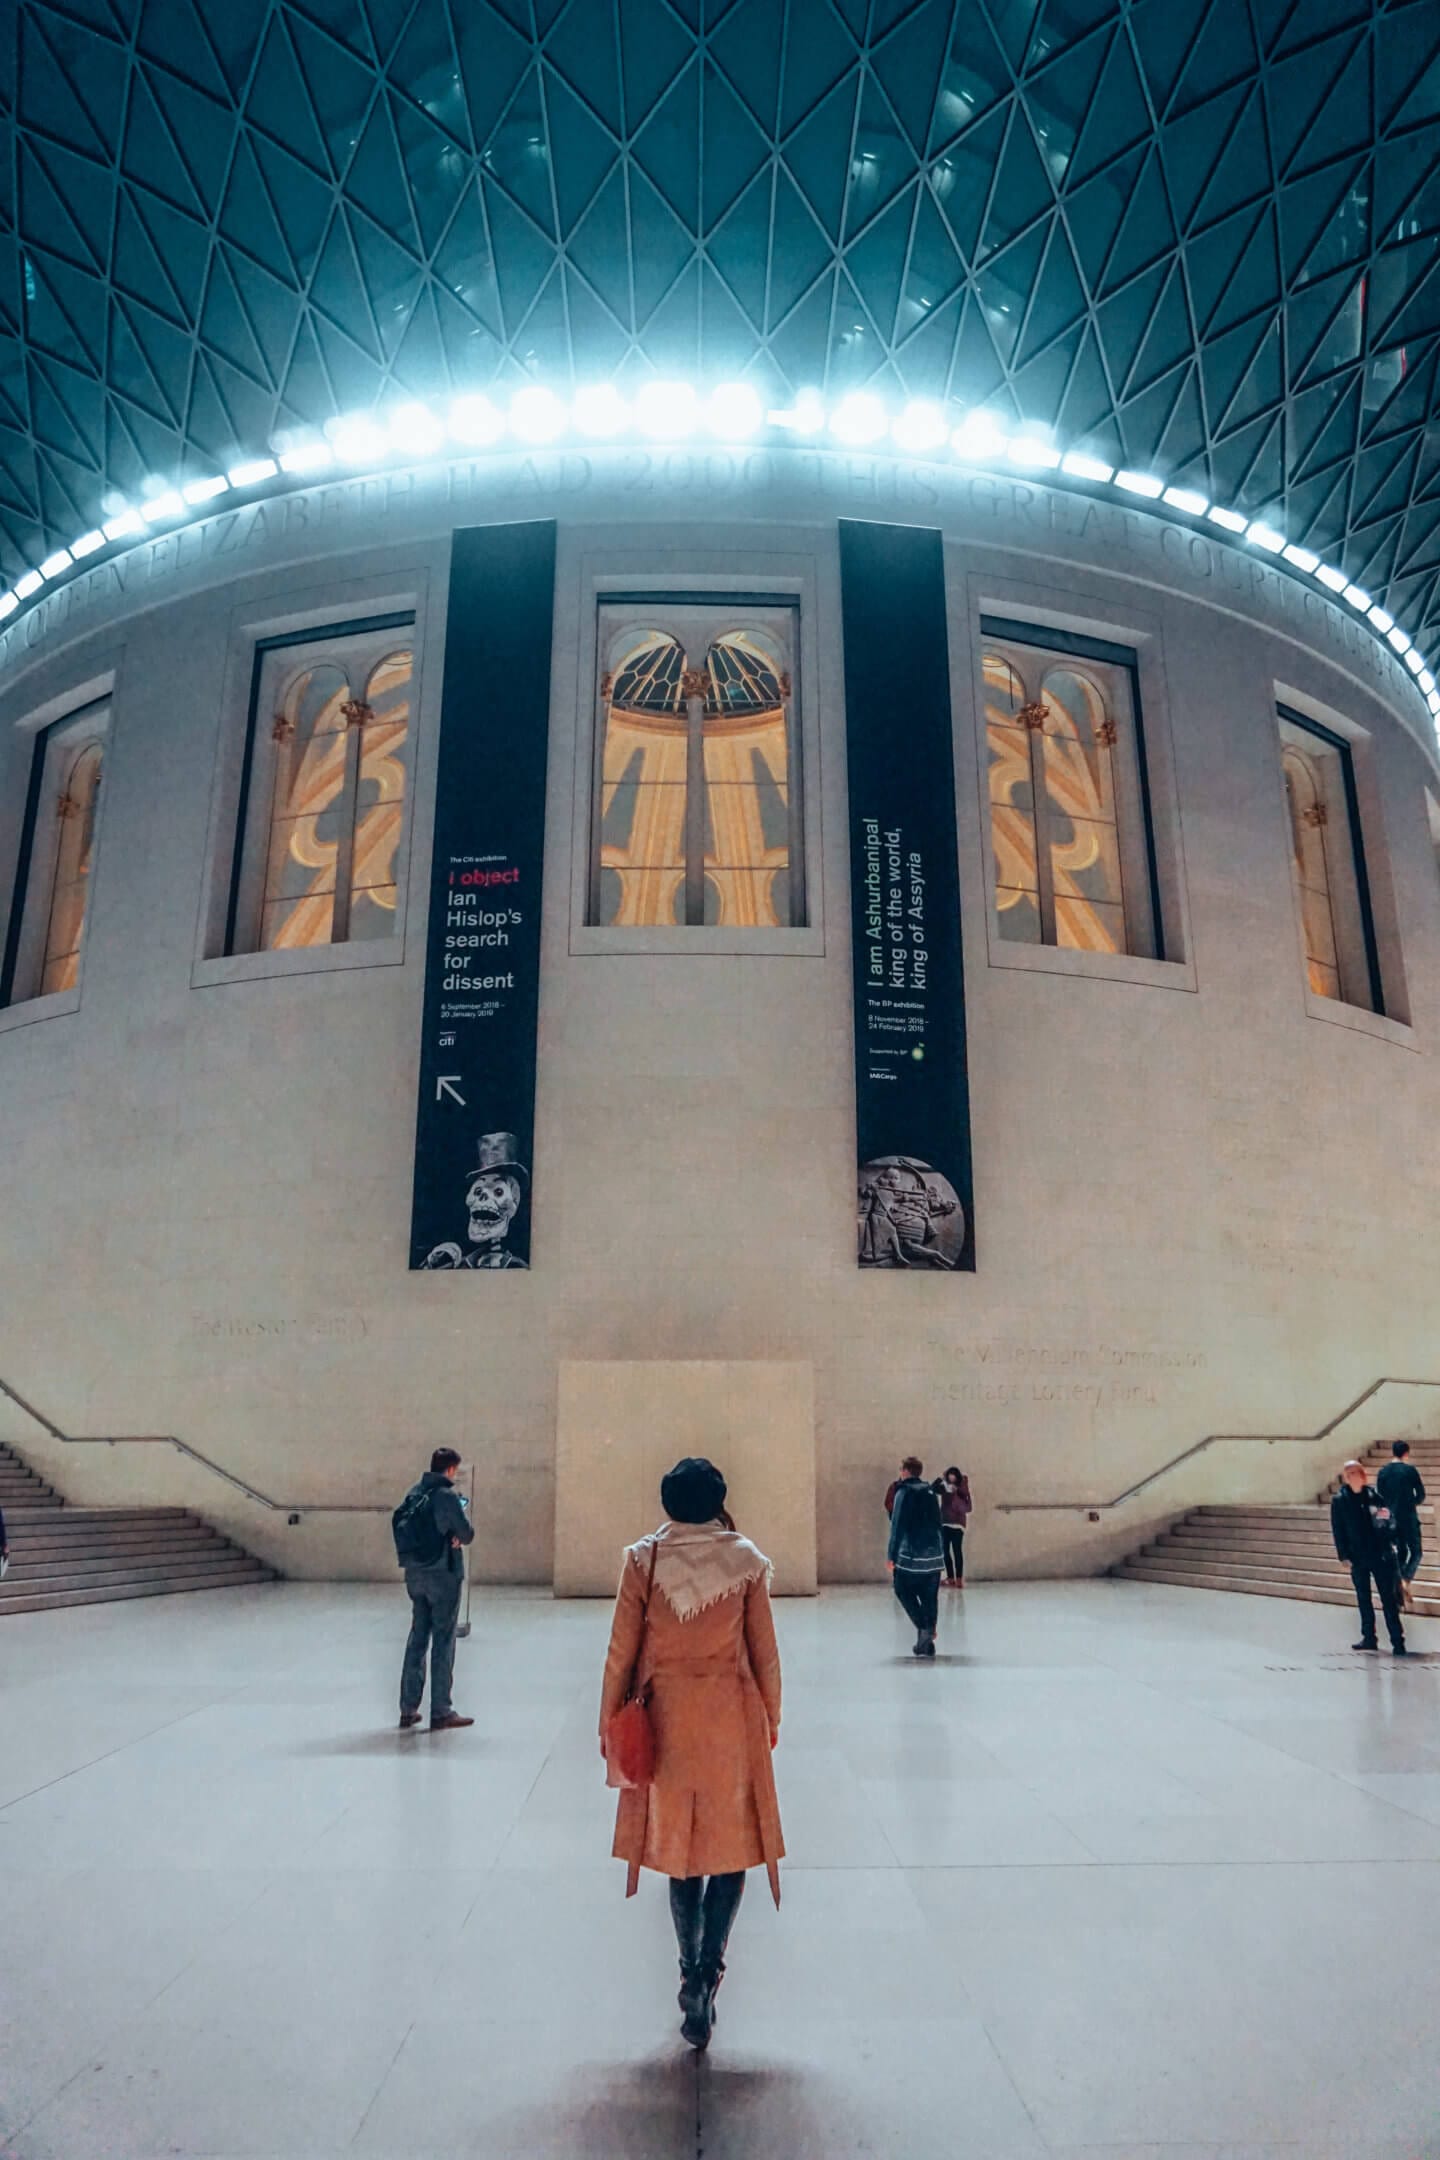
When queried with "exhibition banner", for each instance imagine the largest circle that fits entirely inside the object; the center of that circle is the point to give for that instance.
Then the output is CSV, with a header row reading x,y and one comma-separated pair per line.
x,y
912,1093
475,1121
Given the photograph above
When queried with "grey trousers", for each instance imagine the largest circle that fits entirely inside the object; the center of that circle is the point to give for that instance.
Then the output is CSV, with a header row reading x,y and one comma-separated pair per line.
x,y
435,1612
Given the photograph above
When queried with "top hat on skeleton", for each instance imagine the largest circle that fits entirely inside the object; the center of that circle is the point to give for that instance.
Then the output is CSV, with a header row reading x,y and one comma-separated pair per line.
x,y
497,1155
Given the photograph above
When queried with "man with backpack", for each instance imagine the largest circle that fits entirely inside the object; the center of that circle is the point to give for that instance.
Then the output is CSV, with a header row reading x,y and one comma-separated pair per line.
x,y
430,1526
1402,1488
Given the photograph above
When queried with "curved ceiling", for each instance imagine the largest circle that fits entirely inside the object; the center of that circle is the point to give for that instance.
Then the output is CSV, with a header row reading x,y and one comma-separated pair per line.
x,y
1193,235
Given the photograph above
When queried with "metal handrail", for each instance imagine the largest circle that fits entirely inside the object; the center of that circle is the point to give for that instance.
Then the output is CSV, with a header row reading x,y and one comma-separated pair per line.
x,y
294,1509
1152,1477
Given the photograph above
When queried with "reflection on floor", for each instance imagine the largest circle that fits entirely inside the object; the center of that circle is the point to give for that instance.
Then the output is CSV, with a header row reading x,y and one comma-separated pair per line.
x,y
1127,1874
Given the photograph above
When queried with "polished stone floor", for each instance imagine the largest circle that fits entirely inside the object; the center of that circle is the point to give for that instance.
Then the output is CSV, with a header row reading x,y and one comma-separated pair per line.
x,y
1127,1874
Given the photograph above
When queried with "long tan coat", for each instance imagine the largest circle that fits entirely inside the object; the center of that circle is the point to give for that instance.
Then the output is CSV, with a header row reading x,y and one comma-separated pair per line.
x,y
714,1705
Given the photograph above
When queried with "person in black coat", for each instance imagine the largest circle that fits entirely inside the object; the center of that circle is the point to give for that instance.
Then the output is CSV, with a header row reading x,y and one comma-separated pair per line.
x,y
1402,1488
916,1553
1364,1532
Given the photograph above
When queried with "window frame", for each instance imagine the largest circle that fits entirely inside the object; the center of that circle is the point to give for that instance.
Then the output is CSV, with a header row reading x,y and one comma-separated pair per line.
x,y
1065,644
1343,750
22,959
722,604
244,843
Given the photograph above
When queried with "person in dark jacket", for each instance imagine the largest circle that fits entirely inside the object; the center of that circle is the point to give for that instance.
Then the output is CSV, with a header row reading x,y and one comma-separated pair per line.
x,y
1364,1532
436,1528
1402,1488
916,1552
953,1492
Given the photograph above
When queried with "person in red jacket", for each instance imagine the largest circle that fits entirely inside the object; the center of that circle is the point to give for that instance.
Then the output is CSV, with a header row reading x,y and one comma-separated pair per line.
x,y
953,1492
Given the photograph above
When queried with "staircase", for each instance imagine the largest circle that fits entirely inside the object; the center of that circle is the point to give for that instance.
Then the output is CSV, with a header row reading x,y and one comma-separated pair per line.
x,y
1283,1551
62,1555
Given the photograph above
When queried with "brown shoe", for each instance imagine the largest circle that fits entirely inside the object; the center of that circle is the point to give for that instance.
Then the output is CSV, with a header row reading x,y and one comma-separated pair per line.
x,y
451,1722
409,1719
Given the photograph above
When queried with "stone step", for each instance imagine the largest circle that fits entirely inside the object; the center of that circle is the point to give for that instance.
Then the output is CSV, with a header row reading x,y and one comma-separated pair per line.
x,y
26,1564
1134,1571
1332,1587
161,1586
178,1574
102,1515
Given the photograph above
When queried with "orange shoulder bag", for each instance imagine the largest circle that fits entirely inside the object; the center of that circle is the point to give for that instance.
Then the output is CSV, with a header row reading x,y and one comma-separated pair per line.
x,y
629,1734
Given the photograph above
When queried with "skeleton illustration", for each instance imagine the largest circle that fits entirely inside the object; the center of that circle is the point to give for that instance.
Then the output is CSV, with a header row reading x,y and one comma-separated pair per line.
x,y
493,1192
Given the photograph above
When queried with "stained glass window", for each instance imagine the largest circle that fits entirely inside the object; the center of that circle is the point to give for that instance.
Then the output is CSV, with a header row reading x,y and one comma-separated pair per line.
x,y
697,818
1069,817
326,787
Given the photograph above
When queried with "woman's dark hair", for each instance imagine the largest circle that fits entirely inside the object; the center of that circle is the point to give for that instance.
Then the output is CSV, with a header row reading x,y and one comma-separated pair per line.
x,y
445,1458
958,1475
694,1491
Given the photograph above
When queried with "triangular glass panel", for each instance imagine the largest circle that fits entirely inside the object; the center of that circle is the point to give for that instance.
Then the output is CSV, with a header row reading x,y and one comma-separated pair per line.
x,y
590,63
341,90
818,50
176,39
1013,20
1242,173
1095,212
1407,78
1315,506
202,131
978,373
391,279
424,66
435,168
661,247
1317,17
598,341
739,249
881,161
1211,260
1407,184
1144,419
1310,210
857,349
1191,147
248,406
734,149
471,350
278,104
934,269
68,413
1163,37
961,180
727,339
1297,89
1123,321
135,266
301,202
523,258
1344,121
876,263
235,34
1325,326
518,153
1224,56
1168,338
1411,406
1022,189
1382,478
1247,465
975,77
1184,442
653,49
1224,364
1058,98
1147,232
542,336
465,265
225,327
355,378
800,346
376,180
1059,297
924,357
747,47
1322,426
1004,287
419,362
1040,384
600,247
1256,281
248,221
907,65
581,151
666,147
55,292
818,155
307,390
129,370
51,221
1263,386
338,289
799,251
272,310
47,99
493,61
387,19
1118,117
670,339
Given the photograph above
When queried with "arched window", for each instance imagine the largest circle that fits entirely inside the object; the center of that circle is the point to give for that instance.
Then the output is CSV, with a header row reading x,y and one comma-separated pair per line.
x,y
1069,820
326,786
1327,864
697,813
41,953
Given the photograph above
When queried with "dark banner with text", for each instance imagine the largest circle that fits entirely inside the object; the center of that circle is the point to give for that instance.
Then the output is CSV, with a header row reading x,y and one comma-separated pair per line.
x,y
912,1092
475,1124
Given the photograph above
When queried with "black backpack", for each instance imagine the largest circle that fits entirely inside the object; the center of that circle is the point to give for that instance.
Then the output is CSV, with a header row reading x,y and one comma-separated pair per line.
x,y
419,1541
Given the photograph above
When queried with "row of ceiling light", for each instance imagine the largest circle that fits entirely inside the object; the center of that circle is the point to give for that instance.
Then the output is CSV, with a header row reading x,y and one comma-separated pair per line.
x,y
676,412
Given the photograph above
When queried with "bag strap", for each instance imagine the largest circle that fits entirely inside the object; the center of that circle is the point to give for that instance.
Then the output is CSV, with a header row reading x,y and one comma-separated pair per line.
x,y
636,1687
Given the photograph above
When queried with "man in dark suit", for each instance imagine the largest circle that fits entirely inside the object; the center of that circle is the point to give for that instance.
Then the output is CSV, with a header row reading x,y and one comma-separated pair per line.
x,y
1402,1488
1364,1532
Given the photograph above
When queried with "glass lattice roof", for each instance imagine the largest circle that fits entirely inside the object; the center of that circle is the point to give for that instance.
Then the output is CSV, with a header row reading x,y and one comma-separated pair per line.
x,y
1195,236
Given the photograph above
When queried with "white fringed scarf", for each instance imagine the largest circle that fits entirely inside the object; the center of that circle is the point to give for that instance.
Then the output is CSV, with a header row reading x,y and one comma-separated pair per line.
x,y
697,1564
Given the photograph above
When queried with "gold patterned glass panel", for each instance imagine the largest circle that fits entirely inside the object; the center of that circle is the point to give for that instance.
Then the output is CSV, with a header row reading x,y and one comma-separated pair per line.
x,y
1078,744
747,821
380,795
311,734
1012,804
642,785
75,848
1310,868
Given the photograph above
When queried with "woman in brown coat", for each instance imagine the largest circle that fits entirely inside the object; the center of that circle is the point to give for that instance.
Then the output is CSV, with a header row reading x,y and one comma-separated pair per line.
x,y
693,1623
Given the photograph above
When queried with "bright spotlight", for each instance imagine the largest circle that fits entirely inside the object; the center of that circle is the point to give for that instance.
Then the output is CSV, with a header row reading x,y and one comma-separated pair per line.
x,y
536,415
734,412
920,425
415,430
599,410
475,419
358,439
859,418
805,417
979,438
667,410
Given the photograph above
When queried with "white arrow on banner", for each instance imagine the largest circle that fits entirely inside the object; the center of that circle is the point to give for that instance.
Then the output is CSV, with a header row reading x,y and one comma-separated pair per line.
x,y
445,1085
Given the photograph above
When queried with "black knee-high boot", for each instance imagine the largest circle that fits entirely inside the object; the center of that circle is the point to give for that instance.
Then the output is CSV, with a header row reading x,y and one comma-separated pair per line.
x,y
722,1901
687,1911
